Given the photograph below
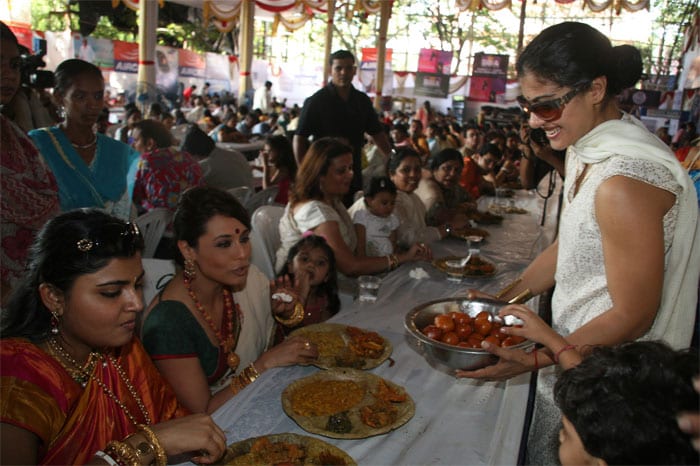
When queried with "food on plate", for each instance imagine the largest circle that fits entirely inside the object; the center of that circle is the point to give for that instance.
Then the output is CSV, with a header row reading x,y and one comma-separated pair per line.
x,y
347,403
339,423
468,332
485,217
345,346
285,449
324,399
476,267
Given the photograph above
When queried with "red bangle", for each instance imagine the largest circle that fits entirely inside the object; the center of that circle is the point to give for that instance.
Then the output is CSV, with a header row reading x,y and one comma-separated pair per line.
x,y
537,366
566,348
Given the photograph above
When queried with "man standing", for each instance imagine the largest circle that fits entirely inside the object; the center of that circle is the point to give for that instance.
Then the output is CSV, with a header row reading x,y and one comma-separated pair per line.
x,y
262,98
339,110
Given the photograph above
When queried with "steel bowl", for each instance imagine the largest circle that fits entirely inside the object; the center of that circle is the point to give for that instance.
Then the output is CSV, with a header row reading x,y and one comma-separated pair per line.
x,y
454,357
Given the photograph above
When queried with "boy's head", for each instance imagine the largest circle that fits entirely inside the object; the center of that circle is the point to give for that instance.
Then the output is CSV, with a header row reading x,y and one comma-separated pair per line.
x,y
620,404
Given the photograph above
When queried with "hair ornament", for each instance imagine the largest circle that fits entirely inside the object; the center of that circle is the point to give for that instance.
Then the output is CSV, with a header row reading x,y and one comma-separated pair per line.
x,y
85,245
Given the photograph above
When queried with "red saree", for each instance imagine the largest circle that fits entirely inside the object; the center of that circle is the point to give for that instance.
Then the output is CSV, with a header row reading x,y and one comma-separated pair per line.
x,y
72,423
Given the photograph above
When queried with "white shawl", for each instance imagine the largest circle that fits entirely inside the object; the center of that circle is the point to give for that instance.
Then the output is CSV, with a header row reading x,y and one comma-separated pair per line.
x,y
629,137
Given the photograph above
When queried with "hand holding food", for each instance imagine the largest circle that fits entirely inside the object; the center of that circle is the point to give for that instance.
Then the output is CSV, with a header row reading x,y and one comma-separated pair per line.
x,y
195,433
293,350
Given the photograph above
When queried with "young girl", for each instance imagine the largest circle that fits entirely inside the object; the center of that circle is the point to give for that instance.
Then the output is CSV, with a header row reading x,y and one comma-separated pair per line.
x,y
311,263
376,225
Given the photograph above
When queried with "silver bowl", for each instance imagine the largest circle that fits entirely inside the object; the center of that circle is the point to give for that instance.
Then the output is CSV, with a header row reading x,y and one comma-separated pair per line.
x,y
454,357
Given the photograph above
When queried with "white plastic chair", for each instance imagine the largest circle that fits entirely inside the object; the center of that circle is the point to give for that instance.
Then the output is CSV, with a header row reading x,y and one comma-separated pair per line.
x,y
152,225
157,272
265,237
241,193
261,198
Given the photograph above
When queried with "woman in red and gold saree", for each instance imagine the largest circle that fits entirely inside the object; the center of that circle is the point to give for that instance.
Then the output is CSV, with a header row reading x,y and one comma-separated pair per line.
x,y
76,386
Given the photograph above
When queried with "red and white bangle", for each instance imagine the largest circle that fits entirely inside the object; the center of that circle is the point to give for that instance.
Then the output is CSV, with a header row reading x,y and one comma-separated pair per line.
x,y
558,353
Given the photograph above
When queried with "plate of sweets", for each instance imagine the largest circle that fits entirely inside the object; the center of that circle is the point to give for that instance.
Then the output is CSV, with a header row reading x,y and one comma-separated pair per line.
x,y
476,267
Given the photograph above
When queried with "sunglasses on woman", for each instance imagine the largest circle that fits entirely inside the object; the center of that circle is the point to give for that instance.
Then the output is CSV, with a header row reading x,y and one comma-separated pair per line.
x,y
548,110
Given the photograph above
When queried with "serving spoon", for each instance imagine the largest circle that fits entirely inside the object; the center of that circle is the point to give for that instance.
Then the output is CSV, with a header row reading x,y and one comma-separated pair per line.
x,y
461,263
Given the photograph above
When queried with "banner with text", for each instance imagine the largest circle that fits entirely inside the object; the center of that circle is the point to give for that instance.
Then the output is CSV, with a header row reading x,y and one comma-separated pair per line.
x,y
489,75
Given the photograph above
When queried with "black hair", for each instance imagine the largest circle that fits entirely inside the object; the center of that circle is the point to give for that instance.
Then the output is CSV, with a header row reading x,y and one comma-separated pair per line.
x,y
7,34
623,402
152,129
196,207
401,128
379,184
285,154
490,148
69,69
55,258
398,156
445,155
197,142
341,55
573,54
329,288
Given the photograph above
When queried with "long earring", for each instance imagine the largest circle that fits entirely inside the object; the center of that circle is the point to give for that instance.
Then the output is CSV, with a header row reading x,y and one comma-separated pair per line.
x,y
54,323
190,271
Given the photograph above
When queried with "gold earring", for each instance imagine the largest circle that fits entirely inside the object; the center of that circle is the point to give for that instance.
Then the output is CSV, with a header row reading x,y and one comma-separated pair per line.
x,y
54,322
190,272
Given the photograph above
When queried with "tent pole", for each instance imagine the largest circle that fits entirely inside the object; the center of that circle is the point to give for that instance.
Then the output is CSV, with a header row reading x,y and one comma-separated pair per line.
x,y
385,14
246,48
329,41
521,31
148,22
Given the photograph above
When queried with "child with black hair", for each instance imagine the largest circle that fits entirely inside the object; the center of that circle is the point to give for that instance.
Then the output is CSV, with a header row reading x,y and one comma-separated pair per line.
x,y
619,404
311,266
376,225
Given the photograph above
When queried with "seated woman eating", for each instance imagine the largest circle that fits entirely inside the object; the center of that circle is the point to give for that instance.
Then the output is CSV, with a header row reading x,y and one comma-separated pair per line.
x,y
76,386
444,199
315,205
211,329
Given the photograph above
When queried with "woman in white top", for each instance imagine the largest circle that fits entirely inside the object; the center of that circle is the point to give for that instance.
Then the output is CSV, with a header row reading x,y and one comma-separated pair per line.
x,y
315,204
405,171
627,258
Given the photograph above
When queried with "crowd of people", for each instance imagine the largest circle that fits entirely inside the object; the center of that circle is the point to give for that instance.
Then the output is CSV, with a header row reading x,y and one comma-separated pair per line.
x,y
362,193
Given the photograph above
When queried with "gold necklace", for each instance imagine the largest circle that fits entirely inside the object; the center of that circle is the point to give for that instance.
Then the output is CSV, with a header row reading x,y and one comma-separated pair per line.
x,y
84,376
85,146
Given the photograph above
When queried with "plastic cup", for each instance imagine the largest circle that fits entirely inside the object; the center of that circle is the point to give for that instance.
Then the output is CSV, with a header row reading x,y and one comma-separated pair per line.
x,y
368,288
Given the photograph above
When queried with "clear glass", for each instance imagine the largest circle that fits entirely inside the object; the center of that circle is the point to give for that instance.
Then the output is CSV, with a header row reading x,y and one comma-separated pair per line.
x,y
368,288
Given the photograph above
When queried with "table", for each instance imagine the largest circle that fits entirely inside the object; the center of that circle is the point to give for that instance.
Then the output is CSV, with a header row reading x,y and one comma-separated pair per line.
x,y
457,421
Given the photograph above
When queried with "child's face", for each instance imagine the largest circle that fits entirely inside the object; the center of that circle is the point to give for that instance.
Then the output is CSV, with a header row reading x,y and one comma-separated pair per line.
x,y
315,262
381,204
571,449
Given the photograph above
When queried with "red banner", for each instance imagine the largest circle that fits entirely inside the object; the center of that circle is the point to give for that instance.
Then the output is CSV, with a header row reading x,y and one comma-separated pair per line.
x,y
369,54
126,56
24,35
191,63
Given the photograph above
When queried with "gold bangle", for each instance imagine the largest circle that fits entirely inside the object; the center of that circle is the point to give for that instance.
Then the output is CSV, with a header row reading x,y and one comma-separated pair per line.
x,y
508,288
524,296
123,453
161,459
254,374
296,317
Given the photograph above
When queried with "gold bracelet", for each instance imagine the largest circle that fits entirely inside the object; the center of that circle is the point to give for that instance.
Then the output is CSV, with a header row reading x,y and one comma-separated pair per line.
x,y
161,459
254,374
388,262
522,297
296,317
508,288
123,453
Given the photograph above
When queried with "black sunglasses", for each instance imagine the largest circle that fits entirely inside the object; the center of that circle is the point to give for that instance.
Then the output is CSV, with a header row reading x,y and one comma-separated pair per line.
x,y
548,110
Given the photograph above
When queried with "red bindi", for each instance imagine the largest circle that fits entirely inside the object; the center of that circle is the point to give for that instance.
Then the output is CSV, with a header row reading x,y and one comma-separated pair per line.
x,y
238,232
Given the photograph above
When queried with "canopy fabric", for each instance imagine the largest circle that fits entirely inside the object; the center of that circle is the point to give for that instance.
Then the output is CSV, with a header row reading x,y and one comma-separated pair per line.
x,y
594,5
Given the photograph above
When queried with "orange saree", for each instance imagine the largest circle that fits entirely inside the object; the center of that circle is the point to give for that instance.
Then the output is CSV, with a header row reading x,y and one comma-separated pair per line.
x,y
73,422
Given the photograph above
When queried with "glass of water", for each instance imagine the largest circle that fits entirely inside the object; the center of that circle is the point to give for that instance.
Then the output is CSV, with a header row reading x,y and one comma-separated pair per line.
x,y
368,288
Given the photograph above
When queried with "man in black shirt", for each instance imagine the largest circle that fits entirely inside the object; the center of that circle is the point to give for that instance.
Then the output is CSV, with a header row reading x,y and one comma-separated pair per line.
x,y
339,110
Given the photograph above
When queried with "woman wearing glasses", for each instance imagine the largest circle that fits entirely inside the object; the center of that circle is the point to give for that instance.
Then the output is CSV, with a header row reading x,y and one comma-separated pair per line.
x,y
627,259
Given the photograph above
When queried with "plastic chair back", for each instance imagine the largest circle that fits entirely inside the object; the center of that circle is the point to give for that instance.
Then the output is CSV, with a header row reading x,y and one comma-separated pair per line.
x,y
152,225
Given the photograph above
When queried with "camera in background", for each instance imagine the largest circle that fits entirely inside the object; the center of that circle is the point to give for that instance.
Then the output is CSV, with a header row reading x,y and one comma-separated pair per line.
x,y
31,75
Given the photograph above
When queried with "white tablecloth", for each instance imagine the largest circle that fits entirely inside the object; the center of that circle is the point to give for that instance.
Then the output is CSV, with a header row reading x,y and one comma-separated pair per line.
x,y
457,421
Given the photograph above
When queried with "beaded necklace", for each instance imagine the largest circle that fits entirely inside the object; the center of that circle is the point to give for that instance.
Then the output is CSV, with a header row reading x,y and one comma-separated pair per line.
x,y
86,373
227,341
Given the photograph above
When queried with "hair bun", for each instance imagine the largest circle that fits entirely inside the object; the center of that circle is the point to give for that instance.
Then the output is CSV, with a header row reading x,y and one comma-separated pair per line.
x,y
625,68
